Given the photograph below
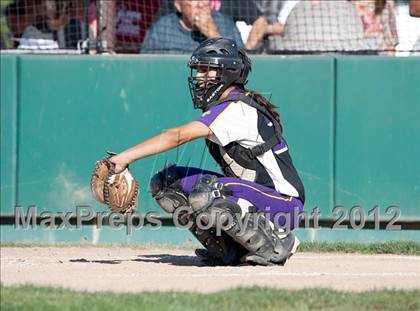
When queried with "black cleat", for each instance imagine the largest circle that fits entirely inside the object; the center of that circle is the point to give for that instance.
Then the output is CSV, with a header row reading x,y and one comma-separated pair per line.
x,y
208,258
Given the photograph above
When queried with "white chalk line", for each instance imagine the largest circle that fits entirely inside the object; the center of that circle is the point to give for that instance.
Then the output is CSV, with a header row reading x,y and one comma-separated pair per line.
x,y
306,274
275,273
367,256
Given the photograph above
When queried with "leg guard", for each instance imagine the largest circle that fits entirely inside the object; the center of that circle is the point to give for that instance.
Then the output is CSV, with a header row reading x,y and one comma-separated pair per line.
x,y
253,233
169,195
221,249
264,246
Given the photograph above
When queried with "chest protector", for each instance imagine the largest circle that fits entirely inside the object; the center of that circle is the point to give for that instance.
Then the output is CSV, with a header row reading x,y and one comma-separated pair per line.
x,y
238,161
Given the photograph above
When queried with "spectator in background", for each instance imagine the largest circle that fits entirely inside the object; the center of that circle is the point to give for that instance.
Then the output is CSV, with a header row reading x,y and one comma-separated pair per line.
x,y
133,18
86,16
255,19
266,24
182,31
252,17
378,17
239,10
244,13
322,26
53,27
20,14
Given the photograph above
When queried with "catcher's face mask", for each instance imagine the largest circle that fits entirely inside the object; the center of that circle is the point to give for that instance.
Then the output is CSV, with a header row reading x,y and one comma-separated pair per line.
x,y
205,82
221,56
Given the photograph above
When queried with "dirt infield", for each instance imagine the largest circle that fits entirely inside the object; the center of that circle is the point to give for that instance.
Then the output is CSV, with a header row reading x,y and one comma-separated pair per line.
x,y
124,269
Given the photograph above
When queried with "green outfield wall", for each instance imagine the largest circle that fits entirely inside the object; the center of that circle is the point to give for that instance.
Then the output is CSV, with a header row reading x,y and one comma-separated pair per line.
x,y
352,124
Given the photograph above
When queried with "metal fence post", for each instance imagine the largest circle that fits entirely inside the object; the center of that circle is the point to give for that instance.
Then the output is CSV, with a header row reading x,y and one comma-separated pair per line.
x,y
105,12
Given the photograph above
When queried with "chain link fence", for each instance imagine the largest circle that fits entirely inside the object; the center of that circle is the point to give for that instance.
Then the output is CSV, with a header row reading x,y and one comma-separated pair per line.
x,y
383,27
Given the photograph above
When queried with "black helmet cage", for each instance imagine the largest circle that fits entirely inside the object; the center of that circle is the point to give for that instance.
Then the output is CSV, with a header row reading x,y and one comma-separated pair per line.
x,y
232,67
204,92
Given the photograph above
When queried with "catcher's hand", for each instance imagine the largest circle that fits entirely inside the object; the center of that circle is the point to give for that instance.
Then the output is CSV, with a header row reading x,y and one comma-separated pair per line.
x,y
117,190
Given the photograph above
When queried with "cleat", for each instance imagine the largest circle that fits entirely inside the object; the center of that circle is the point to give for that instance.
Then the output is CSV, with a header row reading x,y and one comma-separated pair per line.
x,y
293,249
207,258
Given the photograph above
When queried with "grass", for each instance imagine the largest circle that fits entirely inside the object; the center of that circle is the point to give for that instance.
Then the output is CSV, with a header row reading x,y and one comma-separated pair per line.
x,y
389,247
252,298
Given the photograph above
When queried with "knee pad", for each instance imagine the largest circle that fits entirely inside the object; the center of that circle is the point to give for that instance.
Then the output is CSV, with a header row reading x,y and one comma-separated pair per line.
x,y
165,178
169,199
205,192
166,190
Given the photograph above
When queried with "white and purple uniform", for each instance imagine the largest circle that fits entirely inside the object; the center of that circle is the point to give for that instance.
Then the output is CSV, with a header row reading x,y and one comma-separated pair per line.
x,y
269,182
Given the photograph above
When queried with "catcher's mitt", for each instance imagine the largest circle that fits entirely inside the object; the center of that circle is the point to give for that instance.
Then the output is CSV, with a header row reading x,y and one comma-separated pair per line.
x,y
118,191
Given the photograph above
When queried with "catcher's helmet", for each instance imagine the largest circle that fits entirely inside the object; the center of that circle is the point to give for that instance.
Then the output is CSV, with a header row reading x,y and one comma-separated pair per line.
x,y
231,63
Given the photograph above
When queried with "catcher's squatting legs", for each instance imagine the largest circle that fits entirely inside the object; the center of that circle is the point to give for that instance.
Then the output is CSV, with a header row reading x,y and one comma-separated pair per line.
x,y
246,193
242,194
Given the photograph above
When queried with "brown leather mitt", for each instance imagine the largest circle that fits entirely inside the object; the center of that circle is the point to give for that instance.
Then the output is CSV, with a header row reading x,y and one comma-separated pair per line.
x,y
118,191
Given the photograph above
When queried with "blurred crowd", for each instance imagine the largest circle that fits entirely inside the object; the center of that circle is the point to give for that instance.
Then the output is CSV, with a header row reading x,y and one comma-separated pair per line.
x,y
49,24
178,26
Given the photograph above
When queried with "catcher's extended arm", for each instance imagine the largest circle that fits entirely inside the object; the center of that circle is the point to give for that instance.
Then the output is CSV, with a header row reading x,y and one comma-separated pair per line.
x,y
117,190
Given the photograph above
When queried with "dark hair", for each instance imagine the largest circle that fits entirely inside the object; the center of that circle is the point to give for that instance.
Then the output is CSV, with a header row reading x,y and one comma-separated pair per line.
x,y
379,6
264,102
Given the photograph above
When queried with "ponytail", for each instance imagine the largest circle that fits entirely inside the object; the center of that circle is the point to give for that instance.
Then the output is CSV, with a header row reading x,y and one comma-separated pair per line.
x,y
262,101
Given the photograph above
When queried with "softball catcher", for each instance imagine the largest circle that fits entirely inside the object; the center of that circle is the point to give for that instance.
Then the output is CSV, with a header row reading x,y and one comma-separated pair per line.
x,y
244,135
